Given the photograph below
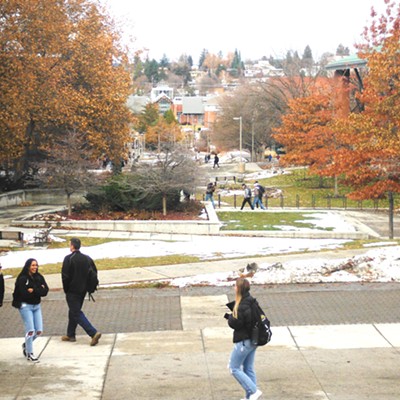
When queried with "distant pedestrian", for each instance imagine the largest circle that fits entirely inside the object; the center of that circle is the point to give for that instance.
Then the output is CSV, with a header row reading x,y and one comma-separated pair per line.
x,y
31,287
246,196
216,161
241,363
210,193
74,274
1,287
258,195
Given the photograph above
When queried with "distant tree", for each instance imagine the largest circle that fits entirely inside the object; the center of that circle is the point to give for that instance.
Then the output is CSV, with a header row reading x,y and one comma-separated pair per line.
x,y
182,68
137,67
149,117
67,167
164,62
342,51
174,171
169,117
151,70
162,133
307,60
237,65
202,58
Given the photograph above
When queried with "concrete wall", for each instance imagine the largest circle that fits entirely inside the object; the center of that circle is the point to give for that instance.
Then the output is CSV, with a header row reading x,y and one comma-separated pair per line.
x,y
38,196
206,227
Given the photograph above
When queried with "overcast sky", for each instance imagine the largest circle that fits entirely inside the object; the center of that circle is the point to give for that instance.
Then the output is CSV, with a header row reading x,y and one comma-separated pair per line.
x,y
255,27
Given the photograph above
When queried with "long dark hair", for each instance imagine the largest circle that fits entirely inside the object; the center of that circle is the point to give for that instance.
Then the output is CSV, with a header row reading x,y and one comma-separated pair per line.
x,y
25,269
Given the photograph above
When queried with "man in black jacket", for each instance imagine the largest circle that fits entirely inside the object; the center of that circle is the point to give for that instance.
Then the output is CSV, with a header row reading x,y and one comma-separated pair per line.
x,y
74,276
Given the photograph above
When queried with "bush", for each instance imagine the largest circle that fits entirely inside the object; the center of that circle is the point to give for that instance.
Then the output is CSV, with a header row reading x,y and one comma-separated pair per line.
x,y
121,193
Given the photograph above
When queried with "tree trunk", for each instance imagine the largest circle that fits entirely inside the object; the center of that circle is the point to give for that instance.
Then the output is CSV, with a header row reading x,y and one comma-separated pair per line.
x,y
69,205
391,212
164,204
336,190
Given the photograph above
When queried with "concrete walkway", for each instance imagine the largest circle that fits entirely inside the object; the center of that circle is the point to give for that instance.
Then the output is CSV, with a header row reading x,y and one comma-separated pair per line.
x,y
335,362
326,361
332,362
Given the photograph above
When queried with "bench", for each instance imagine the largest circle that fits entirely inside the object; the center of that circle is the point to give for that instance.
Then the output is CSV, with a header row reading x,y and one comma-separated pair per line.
x,y
12,235
42,236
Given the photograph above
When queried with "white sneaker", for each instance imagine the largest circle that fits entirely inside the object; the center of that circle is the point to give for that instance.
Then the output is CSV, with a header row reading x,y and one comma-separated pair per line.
x,y
255,395
32,358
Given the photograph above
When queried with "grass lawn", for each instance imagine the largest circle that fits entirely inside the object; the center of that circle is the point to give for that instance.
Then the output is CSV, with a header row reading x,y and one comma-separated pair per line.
x,y
301,190
258,221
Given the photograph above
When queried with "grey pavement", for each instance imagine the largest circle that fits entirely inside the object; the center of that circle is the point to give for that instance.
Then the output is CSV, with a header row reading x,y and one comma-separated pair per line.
x,y
336,342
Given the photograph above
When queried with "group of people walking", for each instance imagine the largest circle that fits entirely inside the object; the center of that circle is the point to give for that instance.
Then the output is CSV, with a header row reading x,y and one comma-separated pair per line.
x,y
248,198
258,192
31,286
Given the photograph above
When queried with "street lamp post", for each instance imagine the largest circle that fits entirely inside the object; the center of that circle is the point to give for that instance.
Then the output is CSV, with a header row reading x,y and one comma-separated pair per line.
x,y
241,164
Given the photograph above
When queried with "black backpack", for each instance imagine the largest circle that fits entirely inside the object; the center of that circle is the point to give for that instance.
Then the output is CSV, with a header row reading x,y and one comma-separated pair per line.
x,y
261,189
92,279
261,332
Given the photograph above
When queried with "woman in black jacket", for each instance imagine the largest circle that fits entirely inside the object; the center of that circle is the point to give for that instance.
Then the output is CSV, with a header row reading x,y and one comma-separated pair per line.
x,y
31,287
241,363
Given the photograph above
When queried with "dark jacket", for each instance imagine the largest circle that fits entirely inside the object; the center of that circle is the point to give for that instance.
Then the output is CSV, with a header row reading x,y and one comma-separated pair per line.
x,y
1,289
74,272
35,282
243,324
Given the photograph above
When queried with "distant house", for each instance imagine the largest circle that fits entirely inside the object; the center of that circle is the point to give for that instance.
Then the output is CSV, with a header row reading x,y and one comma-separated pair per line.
x,y
189,110
162,90
163,102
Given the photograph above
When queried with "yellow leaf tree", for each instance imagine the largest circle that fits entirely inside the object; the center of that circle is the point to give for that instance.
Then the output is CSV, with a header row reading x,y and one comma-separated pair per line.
x,y
61,69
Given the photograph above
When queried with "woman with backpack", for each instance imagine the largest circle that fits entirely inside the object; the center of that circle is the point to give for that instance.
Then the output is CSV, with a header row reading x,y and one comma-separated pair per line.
x,y
31,286
241,363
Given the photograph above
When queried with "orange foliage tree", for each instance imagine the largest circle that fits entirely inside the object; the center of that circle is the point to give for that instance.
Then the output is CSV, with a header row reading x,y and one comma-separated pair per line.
x,y
371,158
61,69
162,133
307,135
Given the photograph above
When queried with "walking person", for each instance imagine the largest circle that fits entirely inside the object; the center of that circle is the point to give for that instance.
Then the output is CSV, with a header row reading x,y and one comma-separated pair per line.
x,y
258,194
74,274
216,161
241,363
210,193
246,196
31,287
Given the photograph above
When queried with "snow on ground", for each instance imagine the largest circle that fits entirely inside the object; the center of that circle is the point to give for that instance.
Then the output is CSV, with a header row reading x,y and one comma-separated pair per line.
x,y
204,247
380,264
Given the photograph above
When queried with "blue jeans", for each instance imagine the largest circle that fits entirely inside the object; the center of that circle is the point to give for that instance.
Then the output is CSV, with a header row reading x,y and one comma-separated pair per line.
x,y
76,316
241,365
258,201
209,197
32,317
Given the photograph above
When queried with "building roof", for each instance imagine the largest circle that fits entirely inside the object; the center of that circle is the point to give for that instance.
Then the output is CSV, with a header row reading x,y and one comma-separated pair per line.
x,y
346,62
192,105
137,104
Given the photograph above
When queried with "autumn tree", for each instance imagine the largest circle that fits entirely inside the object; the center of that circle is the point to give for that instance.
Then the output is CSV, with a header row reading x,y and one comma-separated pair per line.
x,y
371,161
61,69
307,136
162,133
